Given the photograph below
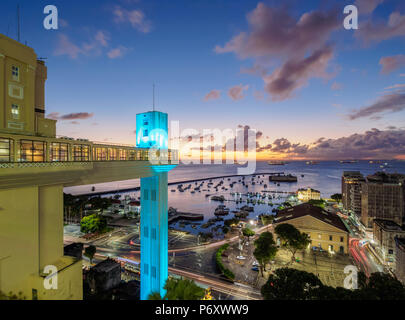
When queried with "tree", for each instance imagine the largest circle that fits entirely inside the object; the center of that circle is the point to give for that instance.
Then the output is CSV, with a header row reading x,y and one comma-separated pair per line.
x,y
89,252
247,232
93,223
265,250
337,197
291,238
179,289
384,287
266,219
317,203
291,284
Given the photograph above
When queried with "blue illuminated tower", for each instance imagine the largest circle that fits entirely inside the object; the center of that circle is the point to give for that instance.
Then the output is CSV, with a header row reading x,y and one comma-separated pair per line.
x,y
152,132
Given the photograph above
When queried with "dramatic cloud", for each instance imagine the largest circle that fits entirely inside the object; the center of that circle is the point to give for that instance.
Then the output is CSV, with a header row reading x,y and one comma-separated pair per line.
x,y
134,17
236,92
212,95
367,6
295,74
392,63
275,36
117,52
372,144
379,31
390,102
70,116
274,32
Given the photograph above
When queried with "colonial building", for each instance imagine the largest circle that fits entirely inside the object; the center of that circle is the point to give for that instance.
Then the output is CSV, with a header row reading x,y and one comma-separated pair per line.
x,y
384,233
382,197
351,195
306,194
326,230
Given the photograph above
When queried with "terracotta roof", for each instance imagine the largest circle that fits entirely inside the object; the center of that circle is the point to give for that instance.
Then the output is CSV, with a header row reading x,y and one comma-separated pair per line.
x,y
307,209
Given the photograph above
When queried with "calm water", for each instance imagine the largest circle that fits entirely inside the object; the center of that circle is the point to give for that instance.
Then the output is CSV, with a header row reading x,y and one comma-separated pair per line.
x,y
325,177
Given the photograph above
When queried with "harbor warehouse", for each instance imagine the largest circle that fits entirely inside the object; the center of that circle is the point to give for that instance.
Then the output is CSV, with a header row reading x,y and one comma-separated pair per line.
x,y
326,230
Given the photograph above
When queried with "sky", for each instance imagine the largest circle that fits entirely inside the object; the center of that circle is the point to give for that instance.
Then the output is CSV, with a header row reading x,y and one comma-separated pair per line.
x,y
288,69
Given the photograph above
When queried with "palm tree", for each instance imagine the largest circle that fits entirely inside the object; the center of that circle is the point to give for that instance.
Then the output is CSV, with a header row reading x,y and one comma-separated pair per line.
x,y
179,289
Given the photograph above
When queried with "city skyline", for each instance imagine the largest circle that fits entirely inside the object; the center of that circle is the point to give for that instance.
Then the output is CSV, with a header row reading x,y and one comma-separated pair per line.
x,y
339,91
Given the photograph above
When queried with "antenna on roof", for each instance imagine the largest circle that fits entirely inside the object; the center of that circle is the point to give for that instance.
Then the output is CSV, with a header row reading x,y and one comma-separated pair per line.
x,y
18,23
153,96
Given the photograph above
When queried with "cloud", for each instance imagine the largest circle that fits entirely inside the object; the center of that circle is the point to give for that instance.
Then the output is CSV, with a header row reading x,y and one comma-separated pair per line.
x,y
236,92
273,32
70,116
274,36
396,86
295,74
66,47
136,18
370,145
390,102
367,6
375,32
212,95
336,86
117,52
392,63
92,47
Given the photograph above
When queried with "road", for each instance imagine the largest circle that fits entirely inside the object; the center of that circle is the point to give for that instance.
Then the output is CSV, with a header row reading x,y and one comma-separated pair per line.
x,y
364,258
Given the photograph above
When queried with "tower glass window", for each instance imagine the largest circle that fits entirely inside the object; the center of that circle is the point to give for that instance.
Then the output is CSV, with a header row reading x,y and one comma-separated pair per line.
x,y
15,73
15,111
32,151
81,152
59,151
6,150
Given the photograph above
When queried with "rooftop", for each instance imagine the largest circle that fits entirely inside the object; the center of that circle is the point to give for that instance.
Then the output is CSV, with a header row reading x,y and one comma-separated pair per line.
x,y
106,265
307,209
382,177
388,225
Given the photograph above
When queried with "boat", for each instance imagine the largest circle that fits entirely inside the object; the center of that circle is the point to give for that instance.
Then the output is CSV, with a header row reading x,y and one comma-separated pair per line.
x,y
276,163
282,178
312,162
348,161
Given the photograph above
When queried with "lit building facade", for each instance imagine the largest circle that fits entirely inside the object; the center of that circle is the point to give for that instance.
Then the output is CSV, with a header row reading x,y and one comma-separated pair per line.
x,y
351,192
308,194
384,234
35,166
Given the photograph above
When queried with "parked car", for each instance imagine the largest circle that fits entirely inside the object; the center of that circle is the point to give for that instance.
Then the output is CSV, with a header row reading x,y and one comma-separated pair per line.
x,y
255,269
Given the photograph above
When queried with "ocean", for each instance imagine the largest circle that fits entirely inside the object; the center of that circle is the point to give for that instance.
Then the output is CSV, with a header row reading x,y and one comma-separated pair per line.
x,y
324,176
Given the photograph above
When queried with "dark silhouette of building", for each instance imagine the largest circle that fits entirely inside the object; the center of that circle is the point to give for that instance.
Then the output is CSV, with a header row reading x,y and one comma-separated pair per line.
x,y
74,250
104,276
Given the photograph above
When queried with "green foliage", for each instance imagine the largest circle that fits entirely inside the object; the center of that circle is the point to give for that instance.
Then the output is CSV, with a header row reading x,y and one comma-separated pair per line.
x,y
291,238
93,223
266,219
290,284
218,258
317,203
180,289
247,232
89,252
265,249
337,197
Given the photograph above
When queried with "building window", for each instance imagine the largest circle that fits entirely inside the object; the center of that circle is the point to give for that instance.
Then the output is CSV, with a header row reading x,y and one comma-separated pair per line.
x,y
32,151
341,239
390,251
15,111
15,73
145,133
330,238
59,151
319,236
123,154
6,150
101,154
153,195
81,152
341,249
153,271
112,154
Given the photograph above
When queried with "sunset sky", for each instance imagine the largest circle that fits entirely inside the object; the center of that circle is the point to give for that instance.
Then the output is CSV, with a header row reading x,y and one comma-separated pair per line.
x,y
289,69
